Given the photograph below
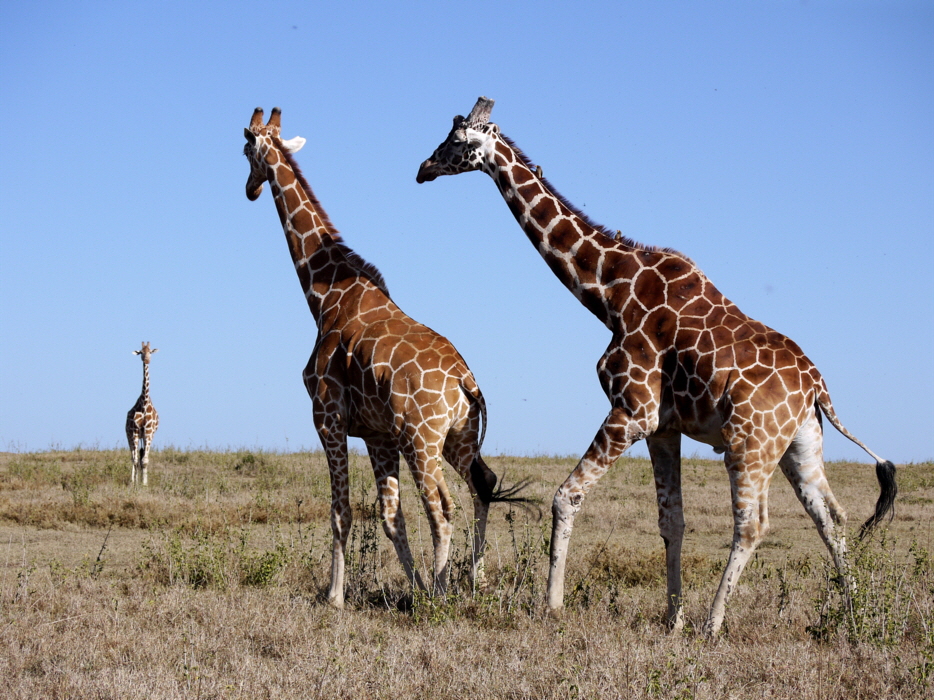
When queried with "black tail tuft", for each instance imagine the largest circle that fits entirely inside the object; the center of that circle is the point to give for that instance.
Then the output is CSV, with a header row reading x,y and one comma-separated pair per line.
x,y
478,476
885,473
501,494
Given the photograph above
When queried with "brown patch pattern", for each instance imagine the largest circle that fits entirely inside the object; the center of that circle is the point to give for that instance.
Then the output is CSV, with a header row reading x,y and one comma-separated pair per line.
x,y
684,360
376,374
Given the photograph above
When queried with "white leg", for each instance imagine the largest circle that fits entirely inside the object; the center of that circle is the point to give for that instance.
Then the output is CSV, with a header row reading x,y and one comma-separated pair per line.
x,y
803,465
610,442
750,473
384,456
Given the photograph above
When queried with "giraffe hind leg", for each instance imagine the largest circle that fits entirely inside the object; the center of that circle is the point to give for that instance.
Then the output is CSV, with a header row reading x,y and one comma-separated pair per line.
x,y
462,452
384,457
750,468
803,466
426,469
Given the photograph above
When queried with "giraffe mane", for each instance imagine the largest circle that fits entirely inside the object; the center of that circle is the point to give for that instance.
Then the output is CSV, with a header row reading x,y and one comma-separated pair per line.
x,y
366,269
354,259
624,241
323,215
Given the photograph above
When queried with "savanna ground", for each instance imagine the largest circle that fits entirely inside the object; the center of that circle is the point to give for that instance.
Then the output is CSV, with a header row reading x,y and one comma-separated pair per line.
x,y
210,583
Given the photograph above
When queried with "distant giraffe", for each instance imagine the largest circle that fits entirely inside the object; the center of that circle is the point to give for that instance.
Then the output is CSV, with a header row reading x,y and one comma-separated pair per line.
x,y
684,360
375,374
141,423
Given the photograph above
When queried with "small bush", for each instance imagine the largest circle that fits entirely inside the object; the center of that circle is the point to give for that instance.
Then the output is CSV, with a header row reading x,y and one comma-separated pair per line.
x,y
878,607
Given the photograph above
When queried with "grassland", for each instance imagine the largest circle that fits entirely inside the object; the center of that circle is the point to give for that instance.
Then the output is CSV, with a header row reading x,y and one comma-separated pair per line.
x,y
209,584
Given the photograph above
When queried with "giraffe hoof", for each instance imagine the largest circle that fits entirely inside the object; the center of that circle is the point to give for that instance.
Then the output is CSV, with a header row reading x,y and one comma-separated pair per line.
x,y
676,627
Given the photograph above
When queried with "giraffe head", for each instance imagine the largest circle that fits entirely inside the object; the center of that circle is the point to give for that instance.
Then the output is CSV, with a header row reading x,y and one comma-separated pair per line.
x,y
466,147
262,149
145,352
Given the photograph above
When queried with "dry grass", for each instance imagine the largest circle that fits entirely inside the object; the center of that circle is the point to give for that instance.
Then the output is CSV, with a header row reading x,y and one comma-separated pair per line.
x,y
210,585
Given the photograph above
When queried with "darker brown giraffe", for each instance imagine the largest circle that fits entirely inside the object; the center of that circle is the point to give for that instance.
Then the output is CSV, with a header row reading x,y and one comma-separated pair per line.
x,y
141,423
376,374
683,360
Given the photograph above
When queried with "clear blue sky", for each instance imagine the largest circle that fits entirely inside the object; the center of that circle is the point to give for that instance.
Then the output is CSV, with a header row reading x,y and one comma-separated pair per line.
x,y
786,147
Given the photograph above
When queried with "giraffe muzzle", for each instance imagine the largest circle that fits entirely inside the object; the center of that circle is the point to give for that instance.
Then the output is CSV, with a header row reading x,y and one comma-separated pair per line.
x,y
253,191
426,172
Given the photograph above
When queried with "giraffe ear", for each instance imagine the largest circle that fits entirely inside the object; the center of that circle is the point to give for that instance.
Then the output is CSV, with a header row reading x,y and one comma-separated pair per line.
x,y
293,145
154,350
136,352
250,136
474,139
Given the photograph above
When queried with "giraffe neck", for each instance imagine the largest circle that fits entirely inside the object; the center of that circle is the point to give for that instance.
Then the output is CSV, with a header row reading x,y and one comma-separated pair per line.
x,y
572,246
144,394
307,231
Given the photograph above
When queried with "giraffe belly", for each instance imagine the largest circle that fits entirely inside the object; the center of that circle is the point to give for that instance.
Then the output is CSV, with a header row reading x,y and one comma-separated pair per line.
x,y
697,419
368,414
358,430
714,438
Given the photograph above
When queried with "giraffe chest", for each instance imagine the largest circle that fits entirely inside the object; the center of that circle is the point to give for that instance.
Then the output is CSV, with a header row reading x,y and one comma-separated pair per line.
x,y
142,421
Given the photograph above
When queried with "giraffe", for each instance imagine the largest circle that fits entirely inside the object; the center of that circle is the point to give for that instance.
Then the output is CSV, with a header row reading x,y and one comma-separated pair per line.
x,y
683,360
376,374
141,423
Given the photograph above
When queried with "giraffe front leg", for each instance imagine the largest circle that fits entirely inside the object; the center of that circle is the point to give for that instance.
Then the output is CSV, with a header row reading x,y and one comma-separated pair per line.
x,y
144,460
325,385
134,455
610,442
335,447
665,451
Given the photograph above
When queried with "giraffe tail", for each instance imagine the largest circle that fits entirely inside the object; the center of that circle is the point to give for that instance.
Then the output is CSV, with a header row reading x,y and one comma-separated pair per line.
x,y
484,478
885,470
492,493
472,391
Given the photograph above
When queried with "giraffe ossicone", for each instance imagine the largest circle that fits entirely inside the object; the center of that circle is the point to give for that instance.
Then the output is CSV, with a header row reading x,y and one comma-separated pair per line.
x,y
141,423
377,374
683,360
